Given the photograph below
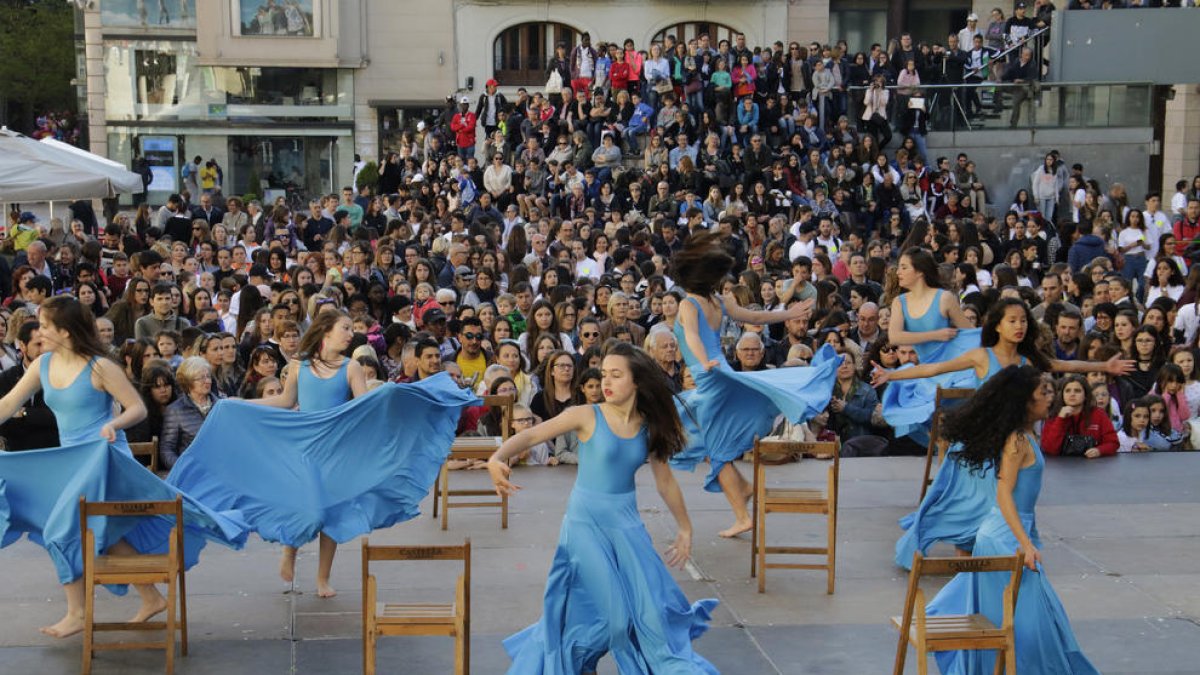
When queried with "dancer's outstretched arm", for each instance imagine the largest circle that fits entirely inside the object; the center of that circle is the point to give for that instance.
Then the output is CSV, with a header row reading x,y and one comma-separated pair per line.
x,y
579,419
975,359
762,317
286,399
1115,366
668,489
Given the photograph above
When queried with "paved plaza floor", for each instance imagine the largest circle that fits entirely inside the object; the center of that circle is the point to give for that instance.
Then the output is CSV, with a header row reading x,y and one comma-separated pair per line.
x,y
1121,545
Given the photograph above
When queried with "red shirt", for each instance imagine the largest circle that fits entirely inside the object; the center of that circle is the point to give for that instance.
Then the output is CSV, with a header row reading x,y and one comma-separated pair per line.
x,y
1097,425
619,74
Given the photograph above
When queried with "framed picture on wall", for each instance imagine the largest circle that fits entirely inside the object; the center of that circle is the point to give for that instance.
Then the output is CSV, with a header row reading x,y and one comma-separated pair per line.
x,y
276,18
149,14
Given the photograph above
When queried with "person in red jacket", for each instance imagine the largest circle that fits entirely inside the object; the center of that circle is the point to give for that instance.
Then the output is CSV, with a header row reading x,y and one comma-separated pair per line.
x,y
1077,415
463,126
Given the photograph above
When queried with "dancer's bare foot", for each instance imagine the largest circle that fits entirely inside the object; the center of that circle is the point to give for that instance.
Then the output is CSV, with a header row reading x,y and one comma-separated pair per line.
x,y
287,565
324,590
149,609
737,528
68,626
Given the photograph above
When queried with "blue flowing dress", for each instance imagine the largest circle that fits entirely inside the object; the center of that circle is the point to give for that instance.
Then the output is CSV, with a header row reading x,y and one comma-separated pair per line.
x,y
955,504
40,489
1045,644
729,408
340,467
608,590
908,404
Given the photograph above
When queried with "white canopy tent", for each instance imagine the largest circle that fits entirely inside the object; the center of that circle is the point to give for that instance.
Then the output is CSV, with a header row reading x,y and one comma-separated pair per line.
x,y
32,171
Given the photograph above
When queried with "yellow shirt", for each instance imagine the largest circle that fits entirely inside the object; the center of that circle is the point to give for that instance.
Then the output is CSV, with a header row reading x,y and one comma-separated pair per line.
x,y
472,369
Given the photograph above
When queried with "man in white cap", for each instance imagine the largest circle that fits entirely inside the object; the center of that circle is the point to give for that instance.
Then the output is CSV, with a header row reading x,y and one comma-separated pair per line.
x,y
967,35
463,125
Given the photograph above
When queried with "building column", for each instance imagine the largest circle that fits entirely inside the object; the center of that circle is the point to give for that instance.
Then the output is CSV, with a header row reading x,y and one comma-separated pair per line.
x,y
808,21
897,18
1181,144
93,49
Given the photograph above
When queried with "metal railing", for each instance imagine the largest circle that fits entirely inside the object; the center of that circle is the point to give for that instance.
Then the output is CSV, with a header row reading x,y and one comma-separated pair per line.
x,y
1024,105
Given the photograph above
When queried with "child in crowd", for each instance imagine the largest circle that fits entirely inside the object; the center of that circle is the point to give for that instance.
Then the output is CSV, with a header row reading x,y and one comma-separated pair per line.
x,y
1135,432
168,347
506,305
1162,436
540,454
1104,402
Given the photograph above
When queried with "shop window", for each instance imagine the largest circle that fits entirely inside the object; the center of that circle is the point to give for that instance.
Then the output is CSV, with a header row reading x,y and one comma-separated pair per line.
x,y
521,54
693,29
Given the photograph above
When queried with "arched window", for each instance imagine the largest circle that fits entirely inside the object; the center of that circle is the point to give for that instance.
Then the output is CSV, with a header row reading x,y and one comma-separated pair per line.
x,y
694,29
521,54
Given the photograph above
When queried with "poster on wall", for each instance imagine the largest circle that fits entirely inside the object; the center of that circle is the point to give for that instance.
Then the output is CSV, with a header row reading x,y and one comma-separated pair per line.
x,y
276,18
148,13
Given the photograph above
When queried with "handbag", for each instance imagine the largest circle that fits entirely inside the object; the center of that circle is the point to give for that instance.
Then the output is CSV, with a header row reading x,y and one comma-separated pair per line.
x,y
1077,445
554,83
663,86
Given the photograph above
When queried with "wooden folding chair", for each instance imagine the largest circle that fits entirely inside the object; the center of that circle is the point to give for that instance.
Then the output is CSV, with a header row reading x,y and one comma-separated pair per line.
x,y
449,620
791,500
962,631
474,447
935,433
148,449
134,569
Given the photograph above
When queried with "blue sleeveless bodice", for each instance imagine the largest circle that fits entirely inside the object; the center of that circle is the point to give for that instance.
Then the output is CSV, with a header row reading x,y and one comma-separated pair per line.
x,y
708,336
319,393
608,462
1029,481
932,319
994,365
80,409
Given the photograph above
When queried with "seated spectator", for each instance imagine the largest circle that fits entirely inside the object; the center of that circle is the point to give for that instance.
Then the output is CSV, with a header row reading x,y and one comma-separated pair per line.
x,y
186,415
853,401
1077,426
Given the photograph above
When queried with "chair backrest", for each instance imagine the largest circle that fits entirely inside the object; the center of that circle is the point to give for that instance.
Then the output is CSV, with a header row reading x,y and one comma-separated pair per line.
x,y
395,553
781,446
914,599
147,449
952,394
505,403
140,509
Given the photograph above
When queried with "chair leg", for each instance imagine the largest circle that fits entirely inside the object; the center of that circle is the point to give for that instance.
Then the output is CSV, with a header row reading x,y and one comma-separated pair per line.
x,y
922,662
172,608
1010,659
89,635
831,551
183,617
459,654
504,512
901,653
437,492
761,544
445,482
369,653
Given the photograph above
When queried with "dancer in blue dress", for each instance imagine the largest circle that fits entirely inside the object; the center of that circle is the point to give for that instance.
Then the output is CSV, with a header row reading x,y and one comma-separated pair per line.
x,y
40,489
608,590
322,379
342,466
1010,403
958,500
731,408
930,320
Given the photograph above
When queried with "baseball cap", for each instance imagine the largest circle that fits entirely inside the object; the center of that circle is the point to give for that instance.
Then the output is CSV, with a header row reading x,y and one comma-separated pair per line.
x,y
464,272
491,83
972,17
418,178
433,315
464,99
27,217
421,125
1020,5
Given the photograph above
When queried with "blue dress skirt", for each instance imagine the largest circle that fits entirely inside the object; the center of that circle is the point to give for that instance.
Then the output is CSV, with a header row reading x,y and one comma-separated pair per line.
x,y
729,408
608,591
39,497
1045,643
343,471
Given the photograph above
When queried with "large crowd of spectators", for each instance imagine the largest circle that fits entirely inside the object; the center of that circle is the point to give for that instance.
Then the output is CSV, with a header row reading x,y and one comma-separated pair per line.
x,y
506,242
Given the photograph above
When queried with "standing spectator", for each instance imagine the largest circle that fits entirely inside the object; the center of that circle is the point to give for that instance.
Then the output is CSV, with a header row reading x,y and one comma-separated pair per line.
x,y
463,125
583,64
491,104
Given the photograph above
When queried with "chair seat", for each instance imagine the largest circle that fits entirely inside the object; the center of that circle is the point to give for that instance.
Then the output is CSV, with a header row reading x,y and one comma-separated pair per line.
x,y
954,627
475,447
417,612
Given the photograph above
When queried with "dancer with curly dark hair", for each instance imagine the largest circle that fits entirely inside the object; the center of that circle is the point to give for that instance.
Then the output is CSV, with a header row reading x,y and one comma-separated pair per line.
x,y
1012,401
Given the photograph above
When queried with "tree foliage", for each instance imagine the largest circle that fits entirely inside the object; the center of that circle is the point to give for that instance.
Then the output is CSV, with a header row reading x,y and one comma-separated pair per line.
x,y
37,59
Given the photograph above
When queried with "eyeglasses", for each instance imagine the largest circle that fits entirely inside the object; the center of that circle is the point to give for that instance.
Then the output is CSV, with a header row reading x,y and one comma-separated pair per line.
x,y
447,303
523,420
590,335
472,336
887,349
565,366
